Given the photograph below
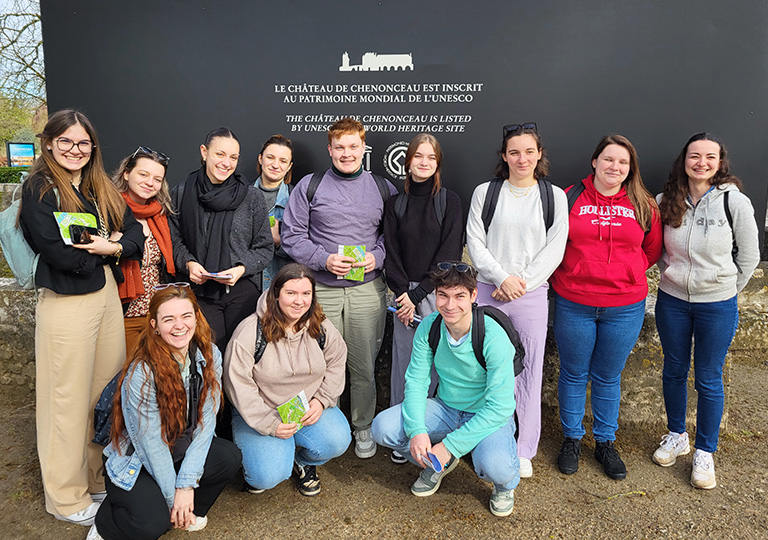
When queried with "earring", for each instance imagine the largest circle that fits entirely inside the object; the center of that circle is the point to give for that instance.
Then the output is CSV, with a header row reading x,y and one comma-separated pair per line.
x,y
49,148
157,333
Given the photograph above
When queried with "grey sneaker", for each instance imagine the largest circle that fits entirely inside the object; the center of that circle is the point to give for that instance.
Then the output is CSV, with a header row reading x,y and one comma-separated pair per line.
x,y
429,481
365,446
672,445
502,502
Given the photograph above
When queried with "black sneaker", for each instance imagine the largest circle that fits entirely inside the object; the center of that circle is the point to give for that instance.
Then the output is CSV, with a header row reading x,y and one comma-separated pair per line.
x,y
607,455
568,458
248,488
309,483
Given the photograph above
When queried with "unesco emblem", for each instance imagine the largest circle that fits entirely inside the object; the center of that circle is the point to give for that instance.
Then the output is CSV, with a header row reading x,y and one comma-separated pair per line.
x,y
394,159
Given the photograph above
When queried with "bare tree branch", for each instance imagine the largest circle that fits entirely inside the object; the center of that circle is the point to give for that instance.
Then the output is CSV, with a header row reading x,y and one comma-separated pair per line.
x,y
22,70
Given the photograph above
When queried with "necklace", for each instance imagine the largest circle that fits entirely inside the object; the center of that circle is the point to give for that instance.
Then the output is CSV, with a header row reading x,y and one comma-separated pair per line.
x,y
519,192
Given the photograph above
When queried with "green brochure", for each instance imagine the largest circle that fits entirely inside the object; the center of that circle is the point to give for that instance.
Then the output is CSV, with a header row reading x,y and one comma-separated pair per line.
x,y
356,273
65,219
293,410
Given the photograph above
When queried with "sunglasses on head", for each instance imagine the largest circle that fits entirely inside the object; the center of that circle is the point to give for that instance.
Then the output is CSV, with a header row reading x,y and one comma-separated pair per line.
x,y
167,285
459,266
511,128
146,151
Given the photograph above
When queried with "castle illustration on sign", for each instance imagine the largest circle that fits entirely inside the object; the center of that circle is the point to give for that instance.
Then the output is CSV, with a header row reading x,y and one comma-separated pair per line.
x,y
372,61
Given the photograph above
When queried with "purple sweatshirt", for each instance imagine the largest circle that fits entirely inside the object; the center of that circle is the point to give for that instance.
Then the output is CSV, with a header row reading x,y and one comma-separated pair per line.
x,y
345,211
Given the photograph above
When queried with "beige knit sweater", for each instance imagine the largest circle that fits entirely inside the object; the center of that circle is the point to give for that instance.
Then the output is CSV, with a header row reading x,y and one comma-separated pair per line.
x,y
293,364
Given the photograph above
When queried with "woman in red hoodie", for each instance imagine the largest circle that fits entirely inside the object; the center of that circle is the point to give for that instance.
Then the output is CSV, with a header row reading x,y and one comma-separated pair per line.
x,y
614,237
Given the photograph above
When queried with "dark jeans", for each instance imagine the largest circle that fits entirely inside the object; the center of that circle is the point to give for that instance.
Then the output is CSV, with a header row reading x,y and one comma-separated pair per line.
x,y
142,512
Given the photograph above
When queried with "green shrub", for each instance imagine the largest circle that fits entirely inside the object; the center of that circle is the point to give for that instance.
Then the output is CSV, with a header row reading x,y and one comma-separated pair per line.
x,y
11,175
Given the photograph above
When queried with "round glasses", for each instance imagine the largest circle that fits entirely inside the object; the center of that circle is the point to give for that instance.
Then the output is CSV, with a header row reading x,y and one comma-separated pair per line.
x,y
65,145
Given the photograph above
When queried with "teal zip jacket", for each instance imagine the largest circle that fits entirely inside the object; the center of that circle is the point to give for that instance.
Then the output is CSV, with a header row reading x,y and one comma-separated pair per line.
x,y
463,384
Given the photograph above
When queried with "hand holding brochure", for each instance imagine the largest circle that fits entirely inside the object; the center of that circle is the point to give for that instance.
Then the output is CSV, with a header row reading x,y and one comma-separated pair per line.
x,y
356,273
293,410
65,219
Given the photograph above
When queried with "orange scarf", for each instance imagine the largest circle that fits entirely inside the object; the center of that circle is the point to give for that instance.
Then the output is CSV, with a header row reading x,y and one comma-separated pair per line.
x,y
133,287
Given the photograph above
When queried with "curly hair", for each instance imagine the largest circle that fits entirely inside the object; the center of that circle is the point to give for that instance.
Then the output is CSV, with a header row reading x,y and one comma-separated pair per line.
x,y
95,184
274,321
155,357
642,200
675,192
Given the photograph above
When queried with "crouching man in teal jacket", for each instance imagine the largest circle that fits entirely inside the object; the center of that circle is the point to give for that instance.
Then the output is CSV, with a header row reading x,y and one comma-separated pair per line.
x,y
474,406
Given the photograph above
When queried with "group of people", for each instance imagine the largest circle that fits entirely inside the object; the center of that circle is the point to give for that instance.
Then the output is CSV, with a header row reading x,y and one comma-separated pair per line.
x,y
225,293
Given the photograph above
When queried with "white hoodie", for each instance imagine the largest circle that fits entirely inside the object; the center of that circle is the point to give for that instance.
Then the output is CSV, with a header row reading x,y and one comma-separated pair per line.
x,y
697,265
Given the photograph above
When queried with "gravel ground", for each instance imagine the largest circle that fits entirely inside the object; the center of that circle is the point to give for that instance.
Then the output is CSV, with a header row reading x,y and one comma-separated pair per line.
x,y
371,498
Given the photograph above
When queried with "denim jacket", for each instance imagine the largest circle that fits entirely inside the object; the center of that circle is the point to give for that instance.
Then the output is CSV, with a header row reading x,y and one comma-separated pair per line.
x,y
142,444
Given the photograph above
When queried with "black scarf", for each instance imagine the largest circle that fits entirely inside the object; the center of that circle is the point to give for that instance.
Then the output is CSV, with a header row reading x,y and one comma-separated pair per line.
x,y
206,216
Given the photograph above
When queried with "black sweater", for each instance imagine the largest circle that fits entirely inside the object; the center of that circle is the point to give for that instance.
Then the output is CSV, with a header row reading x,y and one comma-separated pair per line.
x,y
416,243
66,269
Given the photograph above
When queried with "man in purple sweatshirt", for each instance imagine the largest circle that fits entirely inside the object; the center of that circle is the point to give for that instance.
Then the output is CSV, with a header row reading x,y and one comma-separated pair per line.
x,y
345,208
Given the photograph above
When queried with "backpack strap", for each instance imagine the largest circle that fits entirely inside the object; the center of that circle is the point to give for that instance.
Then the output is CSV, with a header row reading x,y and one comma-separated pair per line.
x,y
478,334
729,217
440,202
491,200
260,343
434,334
312,187
401,203
547,202
573,194
381,183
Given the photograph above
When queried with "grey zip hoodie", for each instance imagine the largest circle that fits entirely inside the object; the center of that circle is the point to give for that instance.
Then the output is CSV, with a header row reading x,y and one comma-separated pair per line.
x,y
697,265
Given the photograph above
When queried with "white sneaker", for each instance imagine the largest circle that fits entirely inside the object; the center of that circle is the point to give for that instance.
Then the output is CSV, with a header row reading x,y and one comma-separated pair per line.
x,y
526,469
99,496
93,534
502,502
365,446
672,445
703,472
83,517
198,525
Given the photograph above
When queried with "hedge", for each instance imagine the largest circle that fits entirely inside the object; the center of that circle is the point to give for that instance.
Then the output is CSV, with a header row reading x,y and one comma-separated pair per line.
x,y
11,175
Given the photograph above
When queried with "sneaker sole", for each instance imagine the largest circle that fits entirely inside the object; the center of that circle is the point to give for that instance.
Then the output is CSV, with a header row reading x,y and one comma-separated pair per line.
x,y
701,486
85,523
685,452
439,481
365,454
397,460
567,471
309,493
504,513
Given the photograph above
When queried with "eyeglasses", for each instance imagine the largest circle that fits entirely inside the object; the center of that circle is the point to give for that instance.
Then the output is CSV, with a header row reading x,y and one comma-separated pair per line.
x,y
167,285
65,145
147,151
511,128
459,266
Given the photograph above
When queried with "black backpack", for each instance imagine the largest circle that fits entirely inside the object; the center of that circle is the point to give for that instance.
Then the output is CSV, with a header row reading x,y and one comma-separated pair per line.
x,y
492,199
261,342
478,334
401,203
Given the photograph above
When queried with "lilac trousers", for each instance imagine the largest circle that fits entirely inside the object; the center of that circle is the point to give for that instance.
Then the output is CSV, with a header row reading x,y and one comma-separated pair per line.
x,y
529,315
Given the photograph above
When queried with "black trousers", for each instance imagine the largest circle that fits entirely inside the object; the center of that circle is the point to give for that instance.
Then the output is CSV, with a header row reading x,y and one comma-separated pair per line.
x,y
223,315
142,513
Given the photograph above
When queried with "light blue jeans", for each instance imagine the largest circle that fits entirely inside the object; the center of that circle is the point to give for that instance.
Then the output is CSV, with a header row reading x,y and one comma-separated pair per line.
x,y
268,460
495,457
594,343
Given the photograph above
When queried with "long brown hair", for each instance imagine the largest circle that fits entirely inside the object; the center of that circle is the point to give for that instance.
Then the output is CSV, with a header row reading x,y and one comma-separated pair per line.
x,y
95,184
274,321
639,196
417,141
154,356
676,189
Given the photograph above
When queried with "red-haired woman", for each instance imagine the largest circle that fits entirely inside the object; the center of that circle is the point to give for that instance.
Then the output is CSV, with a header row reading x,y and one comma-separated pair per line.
x,y
422,227
304,353
164,466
